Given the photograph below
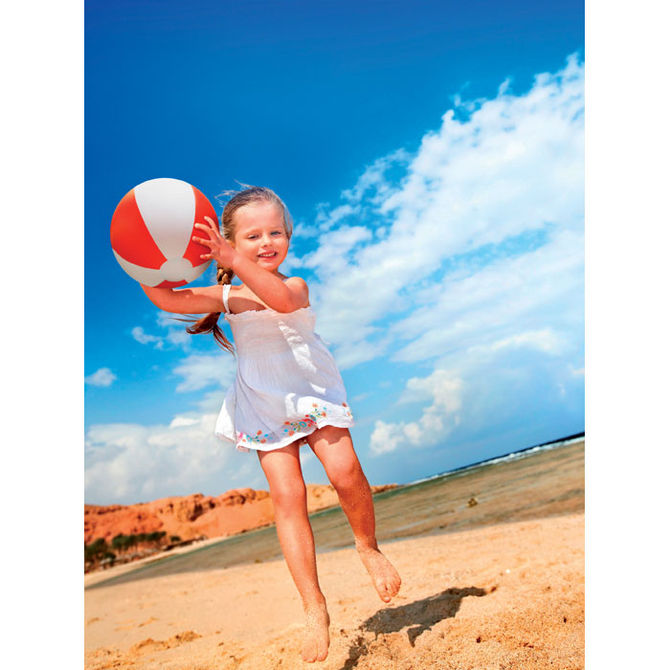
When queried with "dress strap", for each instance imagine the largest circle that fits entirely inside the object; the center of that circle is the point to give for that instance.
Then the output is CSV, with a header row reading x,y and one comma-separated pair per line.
x,y
226,291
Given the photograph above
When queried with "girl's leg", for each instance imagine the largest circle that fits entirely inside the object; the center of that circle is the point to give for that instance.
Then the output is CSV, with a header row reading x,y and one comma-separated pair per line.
x,y
334,448
289,498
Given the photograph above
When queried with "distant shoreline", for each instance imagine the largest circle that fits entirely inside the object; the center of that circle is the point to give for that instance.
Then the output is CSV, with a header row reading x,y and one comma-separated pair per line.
x,y
519,453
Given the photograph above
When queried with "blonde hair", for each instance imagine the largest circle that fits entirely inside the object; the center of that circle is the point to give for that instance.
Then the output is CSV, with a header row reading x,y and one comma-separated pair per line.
x,y
251,194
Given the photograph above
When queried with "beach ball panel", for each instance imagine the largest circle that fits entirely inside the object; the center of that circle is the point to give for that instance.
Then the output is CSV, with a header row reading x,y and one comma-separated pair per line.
x,y
144,275
130,238
157,278
171,284
203,208
165,204
193,274
177,269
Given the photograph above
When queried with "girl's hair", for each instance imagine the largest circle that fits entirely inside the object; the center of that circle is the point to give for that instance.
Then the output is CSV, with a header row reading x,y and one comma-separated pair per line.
x,y
251,194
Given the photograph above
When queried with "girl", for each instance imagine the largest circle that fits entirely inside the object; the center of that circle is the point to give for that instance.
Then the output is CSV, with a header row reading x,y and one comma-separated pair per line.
x,y
287,391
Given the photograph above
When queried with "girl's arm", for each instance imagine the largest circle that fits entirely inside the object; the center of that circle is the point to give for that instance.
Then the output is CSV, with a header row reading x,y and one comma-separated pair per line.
x,y
197,300
276,294
282,296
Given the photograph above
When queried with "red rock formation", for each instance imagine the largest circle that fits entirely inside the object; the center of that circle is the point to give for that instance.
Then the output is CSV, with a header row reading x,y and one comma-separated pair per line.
x,y
197,515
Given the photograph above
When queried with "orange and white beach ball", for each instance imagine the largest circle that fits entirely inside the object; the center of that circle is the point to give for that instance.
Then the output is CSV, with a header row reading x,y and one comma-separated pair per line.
x,y
152,228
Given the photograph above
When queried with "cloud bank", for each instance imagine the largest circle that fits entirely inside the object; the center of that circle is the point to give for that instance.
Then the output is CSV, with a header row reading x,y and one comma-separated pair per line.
x,y
128,463
499,179
464,254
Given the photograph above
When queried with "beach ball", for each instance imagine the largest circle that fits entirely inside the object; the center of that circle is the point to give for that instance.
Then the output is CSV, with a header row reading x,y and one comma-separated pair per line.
x,y
152,228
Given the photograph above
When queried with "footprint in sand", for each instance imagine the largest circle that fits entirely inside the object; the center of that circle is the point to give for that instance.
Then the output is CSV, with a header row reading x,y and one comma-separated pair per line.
x,y
151,619
150,644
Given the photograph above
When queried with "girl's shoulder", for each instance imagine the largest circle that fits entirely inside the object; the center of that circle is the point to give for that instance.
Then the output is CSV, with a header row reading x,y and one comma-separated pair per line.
x,y
296,282
293,282
240,298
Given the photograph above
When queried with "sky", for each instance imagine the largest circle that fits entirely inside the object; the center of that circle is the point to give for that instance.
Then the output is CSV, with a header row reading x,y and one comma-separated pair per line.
x,y
432,156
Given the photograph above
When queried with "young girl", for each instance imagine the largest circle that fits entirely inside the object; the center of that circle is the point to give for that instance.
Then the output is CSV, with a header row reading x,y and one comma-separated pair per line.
x,y
287,391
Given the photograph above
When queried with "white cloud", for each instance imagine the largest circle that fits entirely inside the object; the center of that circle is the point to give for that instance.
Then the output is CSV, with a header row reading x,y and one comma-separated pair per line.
x,y
179,421
437,419
544,340
174,332
539,292
334,246
328,218
101,377
127,463
386,437
144,338
374,185
179,338
169,320
202,370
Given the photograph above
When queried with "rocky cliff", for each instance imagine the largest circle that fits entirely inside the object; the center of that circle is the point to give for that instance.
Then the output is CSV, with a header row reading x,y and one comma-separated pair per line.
x,y
197,515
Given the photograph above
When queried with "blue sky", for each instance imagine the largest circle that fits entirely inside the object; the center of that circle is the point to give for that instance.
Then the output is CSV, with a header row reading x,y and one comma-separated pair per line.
x,y
432,157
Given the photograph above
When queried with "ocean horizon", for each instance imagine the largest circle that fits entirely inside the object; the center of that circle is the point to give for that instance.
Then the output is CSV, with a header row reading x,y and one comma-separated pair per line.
x,y
512,455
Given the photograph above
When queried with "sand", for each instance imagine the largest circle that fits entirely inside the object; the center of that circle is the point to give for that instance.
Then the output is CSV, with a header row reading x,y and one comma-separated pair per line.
x,y
488,594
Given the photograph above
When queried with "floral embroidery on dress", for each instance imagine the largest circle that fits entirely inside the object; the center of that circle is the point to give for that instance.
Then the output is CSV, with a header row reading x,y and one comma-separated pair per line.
x,y
258,438
308,423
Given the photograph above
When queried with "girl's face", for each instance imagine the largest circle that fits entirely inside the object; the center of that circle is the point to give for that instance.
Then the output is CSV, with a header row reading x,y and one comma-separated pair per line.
x,y
260,234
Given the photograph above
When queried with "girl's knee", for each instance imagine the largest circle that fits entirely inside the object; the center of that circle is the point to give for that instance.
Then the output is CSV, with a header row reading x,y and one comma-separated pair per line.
x,y
346,475
288,495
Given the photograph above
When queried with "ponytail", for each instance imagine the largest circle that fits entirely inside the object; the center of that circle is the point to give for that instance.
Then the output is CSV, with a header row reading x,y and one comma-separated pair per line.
x,y
210,322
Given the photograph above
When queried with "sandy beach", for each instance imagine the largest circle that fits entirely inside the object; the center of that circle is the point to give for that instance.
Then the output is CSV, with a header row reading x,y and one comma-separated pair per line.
x,y
492,562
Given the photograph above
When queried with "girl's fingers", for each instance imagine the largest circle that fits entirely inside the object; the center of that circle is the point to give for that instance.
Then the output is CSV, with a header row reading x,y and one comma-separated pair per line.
x,y
211,234
212,224
211,230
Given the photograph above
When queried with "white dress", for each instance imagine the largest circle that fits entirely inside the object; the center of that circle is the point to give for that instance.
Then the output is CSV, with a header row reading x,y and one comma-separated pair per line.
x,y
287,384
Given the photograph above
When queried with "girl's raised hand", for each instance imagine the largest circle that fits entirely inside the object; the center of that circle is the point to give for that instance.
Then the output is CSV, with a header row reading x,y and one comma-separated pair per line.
x,y
219,248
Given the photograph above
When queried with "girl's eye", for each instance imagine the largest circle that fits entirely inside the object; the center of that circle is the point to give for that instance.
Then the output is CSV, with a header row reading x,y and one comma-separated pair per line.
x,y
276,232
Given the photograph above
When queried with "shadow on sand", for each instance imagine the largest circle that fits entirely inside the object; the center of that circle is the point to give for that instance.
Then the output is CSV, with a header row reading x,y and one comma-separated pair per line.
x,y
416,617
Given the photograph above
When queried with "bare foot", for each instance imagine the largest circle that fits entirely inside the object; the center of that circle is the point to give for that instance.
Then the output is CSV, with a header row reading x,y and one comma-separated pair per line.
x,y
384,576
317,639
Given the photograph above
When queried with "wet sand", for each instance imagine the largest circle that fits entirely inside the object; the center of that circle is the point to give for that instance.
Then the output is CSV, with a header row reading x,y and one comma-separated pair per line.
x,y
496,584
